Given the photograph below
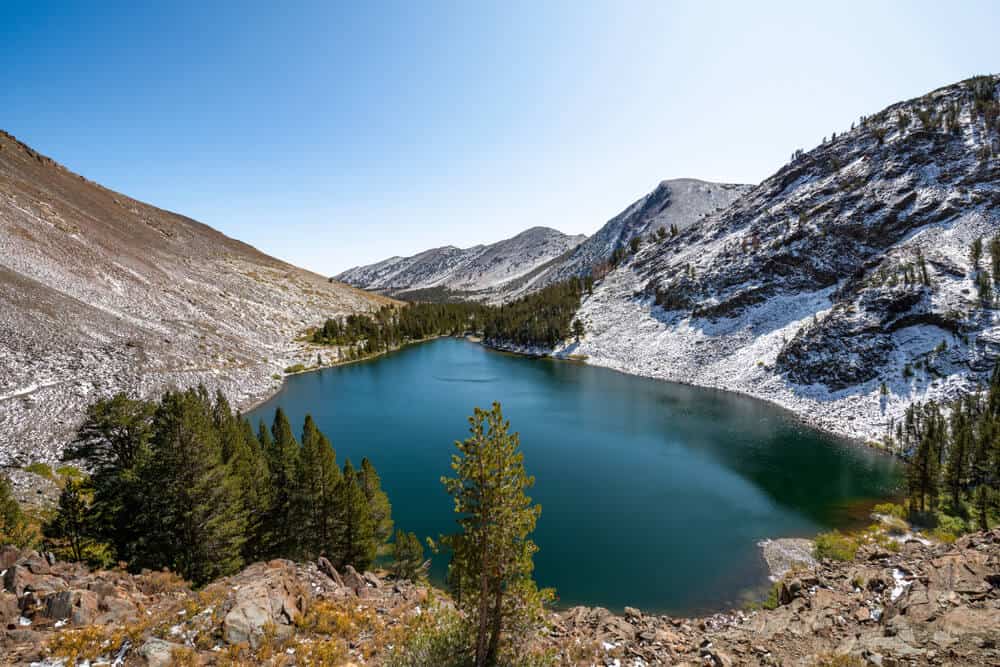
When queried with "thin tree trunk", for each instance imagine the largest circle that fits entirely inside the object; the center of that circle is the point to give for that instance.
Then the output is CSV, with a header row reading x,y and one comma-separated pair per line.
x,y
491,653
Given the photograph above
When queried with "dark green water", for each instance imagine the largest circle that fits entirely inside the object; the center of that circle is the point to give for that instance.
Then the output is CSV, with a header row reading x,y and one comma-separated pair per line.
x,y
653,494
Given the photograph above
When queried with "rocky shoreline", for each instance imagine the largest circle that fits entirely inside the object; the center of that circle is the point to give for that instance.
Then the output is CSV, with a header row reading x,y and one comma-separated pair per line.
x,y
925,604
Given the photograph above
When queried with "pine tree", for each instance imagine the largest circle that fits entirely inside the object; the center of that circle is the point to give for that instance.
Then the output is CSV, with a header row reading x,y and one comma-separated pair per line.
x,y
316,502
976,252
192,511
379,507
492,556
981,499
955,471
408,556
358,545
14,526
70,522
248,466
113,442
282,462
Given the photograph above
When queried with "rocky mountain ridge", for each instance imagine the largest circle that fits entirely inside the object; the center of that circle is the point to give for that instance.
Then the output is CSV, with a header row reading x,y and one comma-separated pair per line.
x,y
100,293
530,264
842,287
917,603
464,271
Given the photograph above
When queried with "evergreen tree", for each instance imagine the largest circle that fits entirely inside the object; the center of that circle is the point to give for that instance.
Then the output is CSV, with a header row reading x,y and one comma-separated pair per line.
x,y
248,466
492,555
70,522
316,503
976,252
14,526
982,499
113,441
192,511
408,556
957,456
995,257
358,545
282,462
378,502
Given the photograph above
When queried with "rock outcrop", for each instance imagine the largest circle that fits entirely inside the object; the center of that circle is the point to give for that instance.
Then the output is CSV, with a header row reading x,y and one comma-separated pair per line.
x,y
923,604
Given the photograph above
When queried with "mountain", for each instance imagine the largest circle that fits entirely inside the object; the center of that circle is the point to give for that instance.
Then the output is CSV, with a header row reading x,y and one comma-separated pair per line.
x,y
464,271
100,292
843,286
678,203
540,256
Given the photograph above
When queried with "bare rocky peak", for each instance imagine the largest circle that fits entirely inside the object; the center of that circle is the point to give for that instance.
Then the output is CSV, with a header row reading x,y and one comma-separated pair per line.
x,y
540,256
464,270
100,292
676,203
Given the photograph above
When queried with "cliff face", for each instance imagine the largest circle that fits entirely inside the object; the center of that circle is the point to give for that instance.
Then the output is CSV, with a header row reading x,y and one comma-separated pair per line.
x,y
843,286
913,603
100,293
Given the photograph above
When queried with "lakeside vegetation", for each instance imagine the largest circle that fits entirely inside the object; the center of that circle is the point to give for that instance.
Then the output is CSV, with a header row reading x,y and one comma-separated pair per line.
x,y
953,461
542,320
186,485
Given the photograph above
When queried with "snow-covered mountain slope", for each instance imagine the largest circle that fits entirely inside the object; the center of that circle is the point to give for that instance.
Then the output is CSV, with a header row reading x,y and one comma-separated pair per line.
x,y
539,256
468,270
101,293
841,287
678,203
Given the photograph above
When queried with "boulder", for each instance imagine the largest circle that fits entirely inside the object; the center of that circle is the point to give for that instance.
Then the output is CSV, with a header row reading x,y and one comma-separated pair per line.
x,y
117,608
19,579
327,568
79,607
158,652
372,580
9,609
272,597
9,555
354,581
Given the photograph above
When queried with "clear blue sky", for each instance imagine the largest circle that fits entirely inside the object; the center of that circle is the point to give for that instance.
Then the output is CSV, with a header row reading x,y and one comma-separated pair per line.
x,y
333,134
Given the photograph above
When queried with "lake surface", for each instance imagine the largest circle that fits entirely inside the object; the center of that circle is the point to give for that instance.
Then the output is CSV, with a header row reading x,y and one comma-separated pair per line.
x,y
653,494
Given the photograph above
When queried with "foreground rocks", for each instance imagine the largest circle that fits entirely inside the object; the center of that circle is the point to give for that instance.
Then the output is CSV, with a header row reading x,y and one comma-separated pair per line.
x,y
925,605
921,605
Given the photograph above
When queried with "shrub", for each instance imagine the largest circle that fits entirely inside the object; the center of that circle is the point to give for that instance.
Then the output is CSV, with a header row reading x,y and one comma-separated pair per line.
x,y
15,527
890,509
438,637
41,469
835,546
949,528
895,526
295,368
69,472
164,581
83,644
772,600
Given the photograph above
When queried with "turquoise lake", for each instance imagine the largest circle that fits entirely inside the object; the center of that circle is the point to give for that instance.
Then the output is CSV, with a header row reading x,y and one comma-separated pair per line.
x,y
653,494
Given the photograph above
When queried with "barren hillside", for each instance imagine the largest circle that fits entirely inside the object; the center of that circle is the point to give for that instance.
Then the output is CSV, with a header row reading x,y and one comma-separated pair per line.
x,y
100,292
